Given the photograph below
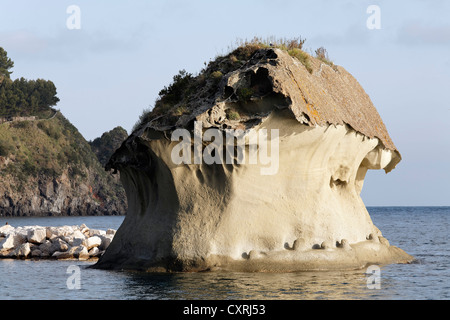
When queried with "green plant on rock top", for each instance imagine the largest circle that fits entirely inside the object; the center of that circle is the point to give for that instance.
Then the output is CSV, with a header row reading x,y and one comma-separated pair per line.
x,y
322,55
301,56
216,75
232,114
244,94
186,89
293,46
175,92
180,110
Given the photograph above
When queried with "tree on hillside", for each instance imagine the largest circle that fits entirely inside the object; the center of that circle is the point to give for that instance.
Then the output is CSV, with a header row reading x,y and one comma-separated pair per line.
x,y
22,97
5,64
107,144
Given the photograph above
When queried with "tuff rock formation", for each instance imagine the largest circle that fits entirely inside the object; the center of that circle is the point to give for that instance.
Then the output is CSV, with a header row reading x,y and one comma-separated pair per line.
x,y
306,214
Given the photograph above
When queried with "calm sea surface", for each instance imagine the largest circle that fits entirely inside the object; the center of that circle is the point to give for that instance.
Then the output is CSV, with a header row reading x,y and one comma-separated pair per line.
x,y
421,231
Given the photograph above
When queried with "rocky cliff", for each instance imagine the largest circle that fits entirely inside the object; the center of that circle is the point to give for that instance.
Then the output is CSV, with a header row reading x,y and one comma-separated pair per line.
x,y
48,168
256,164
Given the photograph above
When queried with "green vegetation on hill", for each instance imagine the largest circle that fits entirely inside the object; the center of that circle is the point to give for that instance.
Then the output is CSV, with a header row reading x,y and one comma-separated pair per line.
x,y
46,150
45,147
109,142
44,158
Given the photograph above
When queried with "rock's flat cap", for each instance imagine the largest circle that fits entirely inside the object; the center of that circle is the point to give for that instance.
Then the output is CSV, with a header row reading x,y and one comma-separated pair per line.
x,y
326,95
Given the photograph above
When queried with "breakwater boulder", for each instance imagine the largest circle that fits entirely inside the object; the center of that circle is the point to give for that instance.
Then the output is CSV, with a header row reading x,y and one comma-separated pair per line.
x,y
64,242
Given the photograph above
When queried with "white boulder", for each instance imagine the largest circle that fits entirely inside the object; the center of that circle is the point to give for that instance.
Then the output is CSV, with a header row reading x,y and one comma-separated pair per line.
x,y
37,235
78,238
62,255
48,231
96,232
5,230
94,252
92,242
63,231
80,252
12,240
84,230
22,251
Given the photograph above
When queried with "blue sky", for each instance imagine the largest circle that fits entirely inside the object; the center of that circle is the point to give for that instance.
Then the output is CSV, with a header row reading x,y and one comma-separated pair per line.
x,y
113,67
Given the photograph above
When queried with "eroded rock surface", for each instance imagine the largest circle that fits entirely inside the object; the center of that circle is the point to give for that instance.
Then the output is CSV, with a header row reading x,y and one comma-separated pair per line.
x,y
306,215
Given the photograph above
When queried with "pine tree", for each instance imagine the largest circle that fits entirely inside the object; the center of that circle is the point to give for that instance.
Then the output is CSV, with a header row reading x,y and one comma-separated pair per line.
x,y
5,64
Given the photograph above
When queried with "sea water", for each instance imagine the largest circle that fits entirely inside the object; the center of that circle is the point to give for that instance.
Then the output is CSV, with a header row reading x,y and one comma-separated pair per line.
x,y
420,231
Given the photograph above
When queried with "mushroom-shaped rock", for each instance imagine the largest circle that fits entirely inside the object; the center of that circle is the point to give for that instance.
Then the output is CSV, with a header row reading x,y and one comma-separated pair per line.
x,y
268,153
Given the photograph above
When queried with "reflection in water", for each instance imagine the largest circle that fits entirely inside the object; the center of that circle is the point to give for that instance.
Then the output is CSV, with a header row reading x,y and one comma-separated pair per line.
x,y
222,286
47,279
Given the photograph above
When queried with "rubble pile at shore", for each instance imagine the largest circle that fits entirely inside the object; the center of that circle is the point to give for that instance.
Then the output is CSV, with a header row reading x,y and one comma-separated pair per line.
x,y
63,242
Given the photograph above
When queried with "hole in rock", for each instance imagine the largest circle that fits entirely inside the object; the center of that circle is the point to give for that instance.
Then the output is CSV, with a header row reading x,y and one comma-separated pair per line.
x,y
228,92
337,183
260,82
287,246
